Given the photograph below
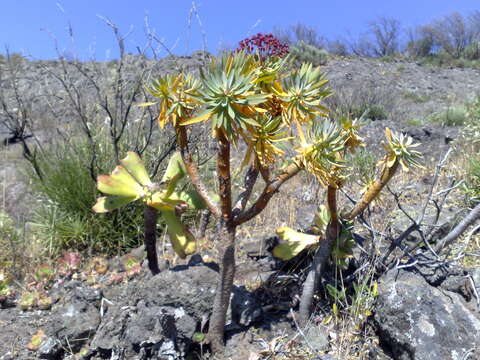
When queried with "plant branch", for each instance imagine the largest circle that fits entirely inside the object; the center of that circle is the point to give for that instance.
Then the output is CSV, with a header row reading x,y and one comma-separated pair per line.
x,y
320,258
458,230
270,189
373,191
193,173
224,179
249,182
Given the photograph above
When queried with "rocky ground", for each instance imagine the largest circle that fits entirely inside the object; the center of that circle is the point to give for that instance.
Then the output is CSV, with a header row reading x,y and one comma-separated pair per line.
x,y
114,309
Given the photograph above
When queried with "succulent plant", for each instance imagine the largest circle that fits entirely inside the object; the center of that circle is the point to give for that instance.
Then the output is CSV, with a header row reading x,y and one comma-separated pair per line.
x,y
252,96
293,242
130,182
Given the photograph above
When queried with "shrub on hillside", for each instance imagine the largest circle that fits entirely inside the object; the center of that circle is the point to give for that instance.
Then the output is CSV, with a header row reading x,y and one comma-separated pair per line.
x,y
304,52
66,191
453,116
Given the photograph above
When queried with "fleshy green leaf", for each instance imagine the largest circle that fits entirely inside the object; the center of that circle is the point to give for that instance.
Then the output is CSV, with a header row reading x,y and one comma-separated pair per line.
x,y
183,242
175,169
191,198
293,242
134,165
119,183
109,203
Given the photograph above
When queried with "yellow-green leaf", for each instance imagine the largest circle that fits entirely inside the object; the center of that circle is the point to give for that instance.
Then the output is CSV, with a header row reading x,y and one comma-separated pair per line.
x,y
134,165
175,171
109,203
183,242
120,183
191,198
293,242
145,104
202,117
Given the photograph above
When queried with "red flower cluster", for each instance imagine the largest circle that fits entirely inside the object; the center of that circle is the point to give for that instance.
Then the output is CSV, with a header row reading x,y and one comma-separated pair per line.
x,y
265,44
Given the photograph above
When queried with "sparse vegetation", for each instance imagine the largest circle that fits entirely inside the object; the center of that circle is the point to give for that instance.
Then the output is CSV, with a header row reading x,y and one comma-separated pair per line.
x,y
305,53
453,116
256,130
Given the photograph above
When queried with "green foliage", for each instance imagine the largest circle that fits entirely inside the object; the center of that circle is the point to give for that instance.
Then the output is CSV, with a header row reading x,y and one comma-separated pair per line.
x,y
355,301
453,116
130,181
471,187
305,53
472,51
10,241
293,242
369,111
473,114
363,165
442,59
416,97
415,122
65,219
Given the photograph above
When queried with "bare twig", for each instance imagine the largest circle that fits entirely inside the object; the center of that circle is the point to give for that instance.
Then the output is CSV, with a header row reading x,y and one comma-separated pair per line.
x,y
458,230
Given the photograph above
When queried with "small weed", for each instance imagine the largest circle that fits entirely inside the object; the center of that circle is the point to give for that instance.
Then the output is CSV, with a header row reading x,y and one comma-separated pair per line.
x,y
416,97
471,187
363,164
415,122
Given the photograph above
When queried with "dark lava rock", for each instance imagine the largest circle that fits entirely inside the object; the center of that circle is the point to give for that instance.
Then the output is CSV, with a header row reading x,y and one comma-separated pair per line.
x,y
158,332
245,309
51,349
418,321
74,324
157,317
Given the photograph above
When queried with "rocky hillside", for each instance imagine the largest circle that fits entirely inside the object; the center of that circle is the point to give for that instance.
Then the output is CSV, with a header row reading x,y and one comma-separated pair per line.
x,y
416,306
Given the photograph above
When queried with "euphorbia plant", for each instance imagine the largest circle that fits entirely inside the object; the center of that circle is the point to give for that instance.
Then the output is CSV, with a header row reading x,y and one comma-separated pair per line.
x,y
251,98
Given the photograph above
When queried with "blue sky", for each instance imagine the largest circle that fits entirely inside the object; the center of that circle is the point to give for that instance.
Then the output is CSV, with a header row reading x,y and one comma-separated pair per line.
x,y
28,26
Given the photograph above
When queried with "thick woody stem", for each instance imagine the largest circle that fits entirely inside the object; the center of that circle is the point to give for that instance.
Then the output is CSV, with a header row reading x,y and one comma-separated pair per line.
x,y
193,173
320,258
150,215
224,180
222,295
226,247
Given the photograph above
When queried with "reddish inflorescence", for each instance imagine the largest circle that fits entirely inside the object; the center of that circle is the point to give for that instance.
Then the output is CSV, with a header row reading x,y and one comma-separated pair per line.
x,y
265,44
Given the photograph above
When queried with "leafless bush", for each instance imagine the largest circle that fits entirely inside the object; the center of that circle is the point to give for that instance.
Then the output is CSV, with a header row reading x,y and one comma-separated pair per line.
x,y
375,99
300,33
453,34
337,47
420,41
385,35
381,39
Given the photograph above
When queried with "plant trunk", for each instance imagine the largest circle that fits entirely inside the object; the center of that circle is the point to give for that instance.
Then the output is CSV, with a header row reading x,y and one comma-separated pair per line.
x,y
150,215
224,288
320,258
225,246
